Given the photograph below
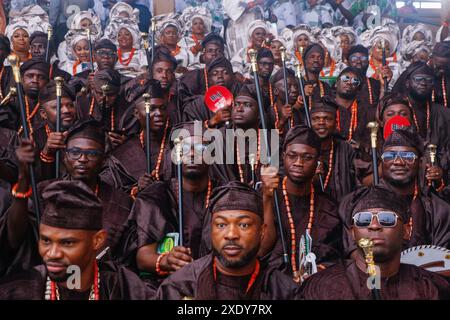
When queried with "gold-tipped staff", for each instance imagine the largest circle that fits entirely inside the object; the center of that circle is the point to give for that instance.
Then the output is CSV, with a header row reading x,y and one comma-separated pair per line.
x,y
59,83
286,88
178,142
432,151
147,98
49,39
12,92
367,246
373,126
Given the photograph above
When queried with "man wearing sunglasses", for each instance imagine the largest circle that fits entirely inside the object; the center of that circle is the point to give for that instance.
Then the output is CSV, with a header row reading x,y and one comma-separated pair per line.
x,y
381,216
427,214
354,114
431,120
155,212
84,160
371,89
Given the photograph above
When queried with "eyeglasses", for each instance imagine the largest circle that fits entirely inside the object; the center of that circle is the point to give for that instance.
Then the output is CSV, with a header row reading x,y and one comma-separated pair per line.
x,y
76,153
354,81
386,219
305,157
266,64
358,58
105,53
406,156
426,79
199,148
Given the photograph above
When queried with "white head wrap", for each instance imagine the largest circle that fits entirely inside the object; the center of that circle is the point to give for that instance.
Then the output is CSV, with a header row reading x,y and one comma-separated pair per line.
x,y
302,29
370,37
31,18
121,7
410,49
412,29
113,28
96,27
190,13
165,20
255,24
348,31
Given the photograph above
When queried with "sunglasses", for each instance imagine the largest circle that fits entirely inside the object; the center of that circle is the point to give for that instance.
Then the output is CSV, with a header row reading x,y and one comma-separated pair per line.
x,y
75,154
406,156
105,53
386,219
356,58
354,81
199,148
425,79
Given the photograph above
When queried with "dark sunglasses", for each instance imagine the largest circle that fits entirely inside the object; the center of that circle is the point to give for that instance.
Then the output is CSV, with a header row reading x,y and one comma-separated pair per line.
x,y
356,58
406,156
76,153
426,79
354,81
386,219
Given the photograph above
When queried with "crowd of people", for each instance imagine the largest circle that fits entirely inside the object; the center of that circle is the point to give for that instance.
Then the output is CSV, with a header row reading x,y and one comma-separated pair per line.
x,y
106,132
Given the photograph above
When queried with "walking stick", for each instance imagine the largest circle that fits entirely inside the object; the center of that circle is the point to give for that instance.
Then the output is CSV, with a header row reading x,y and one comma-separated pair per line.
x,y
373,126
59,82
367,246
153,40
432,150
179,156
254,65
147,98
383,61
286,88
91,57
49,39
14,62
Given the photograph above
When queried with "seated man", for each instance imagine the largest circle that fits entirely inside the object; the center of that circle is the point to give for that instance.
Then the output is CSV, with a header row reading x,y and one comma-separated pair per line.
x,y
233,270
71,234
348,280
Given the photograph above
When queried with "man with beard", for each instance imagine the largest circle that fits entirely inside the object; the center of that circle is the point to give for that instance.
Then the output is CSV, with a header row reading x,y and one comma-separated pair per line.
x,y
232,270
338,159
305,210
348,280
440,61
220,72
195,82
162,70
47,141
427,215
131,153
371,90
71,234
34,79
314,58
431,120
84,159
154,218
38,50
353,114
284,113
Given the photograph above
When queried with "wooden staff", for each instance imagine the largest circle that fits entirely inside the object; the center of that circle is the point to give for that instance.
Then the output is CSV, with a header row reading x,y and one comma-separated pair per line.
x,y
179,156
59,82
383,61
367,246
254,65
373,126
432,150
286,88
91,57
49,39
14,62
147,98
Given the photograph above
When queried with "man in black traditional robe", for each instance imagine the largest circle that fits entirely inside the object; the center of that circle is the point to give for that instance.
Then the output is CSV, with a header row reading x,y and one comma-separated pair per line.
x,y
220,72
195,82
71,234
132,153
6,80
371,89
304,209
440,61
8,161
84,159
38,50
396,281
427,215
430,119
338,164
232,270
155,218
